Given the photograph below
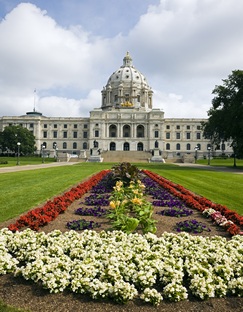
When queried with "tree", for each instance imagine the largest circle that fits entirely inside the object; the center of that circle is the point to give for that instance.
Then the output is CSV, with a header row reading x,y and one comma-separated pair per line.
x,y
11,135
225,120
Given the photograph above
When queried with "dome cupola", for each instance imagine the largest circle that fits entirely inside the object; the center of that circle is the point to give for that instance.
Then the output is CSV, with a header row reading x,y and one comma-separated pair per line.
x,y
127,88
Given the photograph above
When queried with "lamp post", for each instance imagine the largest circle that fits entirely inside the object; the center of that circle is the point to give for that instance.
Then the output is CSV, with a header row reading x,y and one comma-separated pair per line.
x,y
209,150
18,145
43,156
196,149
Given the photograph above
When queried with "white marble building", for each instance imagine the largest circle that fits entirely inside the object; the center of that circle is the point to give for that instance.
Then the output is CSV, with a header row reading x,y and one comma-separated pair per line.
x,y
125,121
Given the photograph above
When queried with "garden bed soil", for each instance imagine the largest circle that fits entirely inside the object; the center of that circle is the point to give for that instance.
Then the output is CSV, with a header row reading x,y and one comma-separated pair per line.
x,y
25,294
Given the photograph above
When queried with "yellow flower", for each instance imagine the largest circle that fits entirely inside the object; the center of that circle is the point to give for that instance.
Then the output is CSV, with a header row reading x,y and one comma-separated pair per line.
x,y
114,204
136,201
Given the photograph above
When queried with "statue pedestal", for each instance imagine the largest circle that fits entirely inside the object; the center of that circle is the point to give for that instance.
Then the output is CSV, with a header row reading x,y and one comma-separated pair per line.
x,y
95,155
156,156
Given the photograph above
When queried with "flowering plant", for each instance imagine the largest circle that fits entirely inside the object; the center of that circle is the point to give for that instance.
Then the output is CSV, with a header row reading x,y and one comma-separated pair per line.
x,y
130,209
82,224
119,266
176,212
191,226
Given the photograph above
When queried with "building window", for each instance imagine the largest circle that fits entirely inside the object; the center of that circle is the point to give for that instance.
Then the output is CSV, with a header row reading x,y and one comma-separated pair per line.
x,y
74,145
178,127
45,126
96,133
112,131
168,146
55,126
75,126
138,98
140,131
44,134
54,134
188,127
156,133
140,146
112,146
116,98
85,134
64,145
188,135
198,127
188,147
178,146
85,145
167,135
96,125
31,125
85,126
75,134
198,136
65,134
167,127
65,126
126,131
178,135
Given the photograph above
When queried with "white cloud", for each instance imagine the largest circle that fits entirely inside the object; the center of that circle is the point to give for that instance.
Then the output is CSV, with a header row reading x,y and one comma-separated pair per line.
x,y
184,48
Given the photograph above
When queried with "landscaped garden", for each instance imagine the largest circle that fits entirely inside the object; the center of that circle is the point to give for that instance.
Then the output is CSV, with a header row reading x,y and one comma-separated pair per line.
x,y
119,245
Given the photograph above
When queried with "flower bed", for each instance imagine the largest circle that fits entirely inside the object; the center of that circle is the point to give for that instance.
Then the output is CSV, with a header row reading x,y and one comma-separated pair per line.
x,y
39,217
200,203
119,266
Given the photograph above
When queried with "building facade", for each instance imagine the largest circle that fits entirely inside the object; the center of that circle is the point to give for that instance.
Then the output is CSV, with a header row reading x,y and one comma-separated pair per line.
x,y
125,121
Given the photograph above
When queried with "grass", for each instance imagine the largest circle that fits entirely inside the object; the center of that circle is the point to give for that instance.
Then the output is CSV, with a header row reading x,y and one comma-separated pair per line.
x,y
12,161
220,187
21,191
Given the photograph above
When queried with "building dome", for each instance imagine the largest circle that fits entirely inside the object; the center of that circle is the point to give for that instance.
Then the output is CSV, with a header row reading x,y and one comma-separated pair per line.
x,y
127,87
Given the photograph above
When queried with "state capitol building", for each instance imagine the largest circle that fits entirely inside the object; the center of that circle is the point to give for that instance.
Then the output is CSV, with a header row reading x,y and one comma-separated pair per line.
x,y
125,121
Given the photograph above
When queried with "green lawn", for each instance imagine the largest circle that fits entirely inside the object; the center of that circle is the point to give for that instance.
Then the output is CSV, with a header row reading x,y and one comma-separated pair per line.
x,y
21,191
12,161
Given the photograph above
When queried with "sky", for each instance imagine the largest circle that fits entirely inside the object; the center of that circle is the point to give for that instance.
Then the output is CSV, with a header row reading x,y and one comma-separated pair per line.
x,y
56,56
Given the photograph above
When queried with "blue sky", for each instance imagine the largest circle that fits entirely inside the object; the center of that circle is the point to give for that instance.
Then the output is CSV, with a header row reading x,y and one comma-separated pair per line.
x,y
67,49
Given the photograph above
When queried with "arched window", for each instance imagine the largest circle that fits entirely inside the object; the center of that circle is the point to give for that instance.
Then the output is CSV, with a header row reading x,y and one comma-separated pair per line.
x,y
168,146
112,146
188,147
74,145
113,131
64,145
126,146
126,131
178,146
140,146
140,131
85,145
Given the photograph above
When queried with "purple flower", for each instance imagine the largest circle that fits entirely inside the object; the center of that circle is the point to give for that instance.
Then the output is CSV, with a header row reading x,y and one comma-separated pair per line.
x,y
191,226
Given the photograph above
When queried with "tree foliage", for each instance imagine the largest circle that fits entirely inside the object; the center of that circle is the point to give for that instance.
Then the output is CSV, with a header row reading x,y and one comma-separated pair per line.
x,y
11,135
225,120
